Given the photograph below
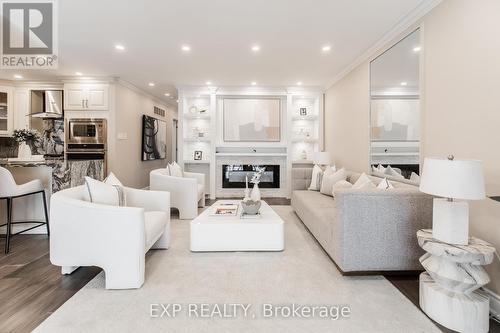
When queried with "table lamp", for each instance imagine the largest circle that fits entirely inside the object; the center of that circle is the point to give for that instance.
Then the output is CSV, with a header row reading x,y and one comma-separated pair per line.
x,y
452,179
322,158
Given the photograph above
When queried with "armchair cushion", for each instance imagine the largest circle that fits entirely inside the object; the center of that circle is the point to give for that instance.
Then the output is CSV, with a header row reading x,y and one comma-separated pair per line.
x,y
175,170
103,193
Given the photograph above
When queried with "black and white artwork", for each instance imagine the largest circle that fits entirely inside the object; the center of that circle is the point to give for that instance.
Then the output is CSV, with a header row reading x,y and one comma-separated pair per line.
x,y
154,139
198,155
303,111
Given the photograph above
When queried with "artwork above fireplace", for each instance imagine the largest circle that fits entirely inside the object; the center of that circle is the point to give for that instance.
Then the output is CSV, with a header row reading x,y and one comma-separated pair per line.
x,y
233,175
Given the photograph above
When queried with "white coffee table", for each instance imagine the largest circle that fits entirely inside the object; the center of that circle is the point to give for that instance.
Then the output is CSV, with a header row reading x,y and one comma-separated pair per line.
x,y
231,233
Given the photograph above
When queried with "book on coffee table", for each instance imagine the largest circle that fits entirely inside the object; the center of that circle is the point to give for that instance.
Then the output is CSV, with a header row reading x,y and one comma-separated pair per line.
x,y
225,210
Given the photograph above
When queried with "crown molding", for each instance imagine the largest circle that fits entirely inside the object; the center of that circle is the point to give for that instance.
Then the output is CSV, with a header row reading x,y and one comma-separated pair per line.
x,y
401,26
133,87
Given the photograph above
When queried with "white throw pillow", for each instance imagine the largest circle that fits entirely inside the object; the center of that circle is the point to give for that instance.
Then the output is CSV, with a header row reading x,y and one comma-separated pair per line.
x,y
330,178
414,177
385,184
105,194
363,182
393,173
380,168
111,179
316,178
340,185
175,170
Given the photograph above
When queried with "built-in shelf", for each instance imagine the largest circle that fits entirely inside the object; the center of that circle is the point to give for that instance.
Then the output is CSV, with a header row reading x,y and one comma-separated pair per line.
x,y
307,140
197,139
196,116
196,162
302,162
250,154
395,153
311,117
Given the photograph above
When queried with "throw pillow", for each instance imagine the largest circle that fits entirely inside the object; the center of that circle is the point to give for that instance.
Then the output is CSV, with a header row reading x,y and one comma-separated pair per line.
x,y
111,179
316,178
330,178
380,168
175,170
414,177
363,182
105,194
340,185
393,173
385,184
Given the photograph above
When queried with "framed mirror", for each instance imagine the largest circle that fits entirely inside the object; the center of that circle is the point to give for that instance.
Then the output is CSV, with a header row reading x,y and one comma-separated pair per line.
x,y
395,111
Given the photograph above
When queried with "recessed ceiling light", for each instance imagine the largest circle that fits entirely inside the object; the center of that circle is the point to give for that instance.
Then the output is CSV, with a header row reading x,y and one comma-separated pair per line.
x,y
186,48
326,48
119,47
167,94
177,101
404,83
299,83
254,83
417,49
17,76
208,83
78,73
151,84
256,48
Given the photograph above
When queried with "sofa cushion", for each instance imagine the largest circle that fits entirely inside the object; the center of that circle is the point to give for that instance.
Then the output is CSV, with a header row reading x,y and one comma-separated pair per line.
x,y
154,224
317,176
175,170
385,184
363,182
330,178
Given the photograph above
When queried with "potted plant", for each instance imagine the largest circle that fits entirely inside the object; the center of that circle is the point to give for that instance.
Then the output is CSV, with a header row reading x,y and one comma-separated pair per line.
x,y
24,138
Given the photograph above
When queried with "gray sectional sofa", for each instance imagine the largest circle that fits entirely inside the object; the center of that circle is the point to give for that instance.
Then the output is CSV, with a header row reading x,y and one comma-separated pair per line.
x,y
365,230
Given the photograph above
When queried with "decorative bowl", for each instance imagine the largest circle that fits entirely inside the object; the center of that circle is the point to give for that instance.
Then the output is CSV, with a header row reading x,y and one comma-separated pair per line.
x,y
251,207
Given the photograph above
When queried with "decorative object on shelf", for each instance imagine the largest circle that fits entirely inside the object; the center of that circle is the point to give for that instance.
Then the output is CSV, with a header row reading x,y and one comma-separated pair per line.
x,y
25,138
496,198
198,132
303,155
251,207
322,158
198,155
303,111
193,109
255,195
203,111
449,287
452,179
154,138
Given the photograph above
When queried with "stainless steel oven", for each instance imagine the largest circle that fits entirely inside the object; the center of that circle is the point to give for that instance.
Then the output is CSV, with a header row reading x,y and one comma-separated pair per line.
x,y
86,139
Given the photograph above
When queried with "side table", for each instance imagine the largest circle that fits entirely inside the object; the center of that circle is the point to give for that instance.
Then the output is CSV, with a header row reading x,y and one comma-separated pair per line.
x,y
448,288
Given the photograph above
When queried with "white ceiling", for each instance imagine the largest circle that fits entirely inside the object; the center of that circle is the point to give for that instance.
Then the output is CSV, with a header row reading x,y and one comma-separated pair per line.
x,y
220,33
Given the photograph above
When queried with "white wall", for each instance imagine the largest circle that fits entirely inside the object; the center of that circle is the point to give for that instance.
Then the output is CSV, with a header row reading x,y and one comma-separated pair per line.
x,y
130,106
461,108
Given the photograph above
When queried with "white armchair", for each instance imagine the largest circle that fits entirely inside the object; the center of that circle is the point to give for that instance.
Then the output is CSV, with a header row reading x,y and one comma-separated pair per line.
x,y
111,237
186,193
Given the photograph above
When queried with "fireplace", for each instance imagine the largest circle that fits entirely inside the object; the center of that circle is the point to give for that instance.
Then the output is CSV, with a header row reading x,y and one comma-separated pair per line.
x,y
233,175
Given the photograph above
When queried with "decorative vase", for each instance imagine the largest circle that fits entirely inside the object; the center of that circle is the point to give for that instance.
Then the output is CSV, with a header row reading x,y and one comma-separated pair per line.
x,y
24,151
251,207
255,196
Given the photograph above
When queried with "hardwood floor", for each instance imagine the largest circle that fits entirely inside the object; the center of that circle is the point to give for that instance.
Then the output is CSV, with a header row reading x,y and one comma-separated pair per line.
x,y
31,288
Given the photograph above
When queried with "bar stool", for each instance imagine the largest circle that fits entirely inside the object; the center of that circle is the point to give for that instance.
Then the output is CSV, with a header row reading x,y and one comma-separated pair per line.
x,y
9,191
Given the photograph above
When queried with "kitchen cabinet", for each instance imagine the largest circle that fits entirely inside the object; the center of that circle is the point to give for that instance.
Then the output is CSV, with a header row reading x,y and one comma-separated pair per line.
x,y
83,97
6,111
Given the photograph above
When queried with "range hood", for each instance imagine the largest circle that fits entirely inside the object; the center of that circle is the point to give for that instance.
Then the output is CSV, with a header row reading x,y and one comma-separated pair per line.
x,y
46,104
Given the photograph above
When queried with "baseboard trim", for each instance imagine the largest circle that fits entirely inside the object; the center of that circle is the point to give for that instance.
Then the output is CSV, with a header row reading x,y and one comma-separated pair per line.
x,y
494,303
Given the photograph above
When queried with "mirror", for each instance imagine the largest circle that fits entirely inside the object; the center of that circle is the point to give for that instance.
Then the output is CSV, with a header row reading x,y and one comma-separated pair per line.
x,y
395,111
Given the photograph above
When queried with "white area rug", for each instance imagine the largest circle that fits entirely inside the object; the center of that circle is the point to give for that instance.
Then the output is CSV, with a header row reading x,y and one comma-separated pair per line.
x,y
302,274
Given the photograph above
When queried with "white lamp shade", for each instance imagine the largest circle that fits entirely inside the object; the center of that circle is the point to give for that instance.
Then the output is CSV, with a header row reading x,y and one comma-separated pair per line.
x,y
457,179
322,158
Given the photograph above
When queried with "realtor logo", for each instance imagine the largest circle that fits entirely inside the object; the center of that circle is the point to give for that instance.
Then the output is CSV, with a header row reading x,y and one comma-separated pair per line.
x,y
28,34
